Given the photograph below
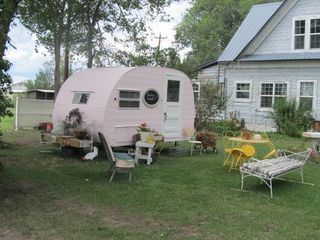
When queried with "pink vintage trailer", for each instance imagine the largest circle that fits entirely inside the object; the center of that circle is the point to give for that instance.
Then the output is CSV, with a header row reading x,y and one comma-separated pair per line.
x,y
117,100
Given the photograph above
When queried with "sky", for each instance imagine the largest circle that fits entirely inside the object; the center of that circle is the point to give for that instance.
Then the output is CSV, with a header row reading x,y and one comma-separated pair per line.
x,y
26,61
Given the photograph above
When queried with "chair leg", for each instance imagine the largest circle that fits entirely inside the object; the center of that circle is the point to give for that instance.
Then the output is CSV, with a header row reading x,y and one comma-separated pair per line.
x,y
271,188
301,172
191,149
110,180
241,181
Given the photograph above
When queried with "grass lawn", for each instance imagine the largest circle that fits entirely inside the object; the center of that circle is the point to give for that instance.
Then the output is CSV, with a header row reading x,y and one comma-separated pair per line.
x,y
44,196
7,123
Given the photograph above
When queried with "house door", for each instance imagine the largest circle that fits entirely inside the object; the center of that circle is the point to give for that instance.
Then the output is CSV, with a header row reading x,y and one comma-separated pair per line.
x,y
172,108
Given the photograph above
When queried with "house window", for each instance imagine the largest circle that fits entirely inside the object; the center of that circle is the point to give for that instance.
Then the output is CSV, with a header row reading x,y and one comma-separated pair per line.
x,y
306,33
80,98
243,91
315,33
196,90
129,99
306,94
271,93
299,34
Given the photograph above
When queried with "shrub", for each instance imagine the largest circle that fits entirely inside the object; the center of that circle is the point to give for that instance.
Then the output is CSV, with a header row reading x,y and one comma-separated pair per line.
x,y
210,105
291,119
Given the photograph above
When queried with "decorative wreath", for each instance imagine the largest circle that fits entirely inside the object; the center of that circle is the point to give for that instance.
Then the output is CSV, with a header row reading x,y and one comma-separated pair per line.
x,y
74,118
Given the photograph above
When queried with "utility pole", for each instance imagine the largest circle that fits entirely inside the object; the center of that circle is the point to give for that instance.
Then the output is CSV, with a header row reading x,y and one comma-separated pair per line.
x,y
158,47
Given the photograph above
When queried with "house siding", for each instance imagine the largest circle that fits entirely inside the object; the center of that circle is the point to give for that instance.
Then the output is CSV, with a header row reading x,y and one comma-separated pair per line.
x,y
209,74
280,39
290,72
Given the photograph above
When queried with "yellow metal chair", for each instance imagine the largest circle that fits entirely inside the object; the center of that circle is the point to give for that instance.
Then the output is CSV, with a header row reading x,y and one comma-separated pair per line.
x,y
273,151
227,146
238,156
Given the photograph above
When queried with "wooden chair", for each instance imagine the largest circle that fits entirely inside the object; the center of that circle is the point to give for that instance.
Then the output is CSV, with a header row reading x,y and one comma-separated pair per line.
x,y
120,162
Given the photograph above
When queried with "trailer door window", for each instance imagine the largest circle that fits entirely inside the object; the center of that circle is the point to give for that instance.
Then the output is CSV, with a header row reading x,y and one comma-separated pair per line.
x,y
80,98
129,99
173,91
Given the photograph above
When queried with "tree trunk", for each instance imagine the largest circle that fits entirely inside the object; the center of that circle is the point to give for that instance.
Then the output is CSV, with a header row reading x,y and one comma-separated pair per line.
x,y
57,56
90,46
66,63
9,8
91,26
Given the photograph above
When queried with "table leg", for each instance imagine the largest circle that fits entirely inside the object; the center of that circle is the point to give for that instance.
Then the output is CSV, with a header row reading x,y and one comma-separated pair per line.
x,y
315,153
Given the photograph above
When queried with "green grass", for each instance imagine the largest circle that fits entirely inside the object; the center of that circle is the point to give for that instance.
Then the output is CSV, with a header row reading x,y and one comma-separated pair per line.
x,y
44,196
7,123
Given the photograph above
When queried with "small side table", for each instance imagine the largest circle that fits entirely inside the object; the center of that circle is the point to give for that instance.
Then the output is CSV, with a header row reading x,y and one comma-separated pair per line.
x,y
315,138
139,154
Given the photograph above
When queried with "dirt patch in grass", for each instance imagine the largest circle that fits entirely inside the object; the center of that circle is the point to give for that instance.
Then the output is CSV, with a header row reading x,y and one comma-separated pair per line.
x,y
22,187
6,234
120,219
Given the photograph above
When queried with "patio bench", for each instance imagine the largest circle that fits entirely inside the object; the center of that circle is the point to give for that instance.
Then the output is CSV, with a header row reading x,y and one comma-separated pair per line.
x,y
270,169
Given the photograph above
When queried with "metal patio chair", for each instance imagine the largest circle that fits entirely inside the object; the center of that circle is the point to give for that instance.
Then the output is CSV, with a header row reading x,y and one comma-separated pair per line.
x,y
120,162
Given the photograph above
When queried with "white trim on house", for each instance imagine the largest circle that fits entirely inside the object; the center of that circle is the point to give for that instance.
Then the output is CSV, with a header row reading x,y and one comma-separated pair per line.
x,y
314,97
249,99
196,91
270,109
307,34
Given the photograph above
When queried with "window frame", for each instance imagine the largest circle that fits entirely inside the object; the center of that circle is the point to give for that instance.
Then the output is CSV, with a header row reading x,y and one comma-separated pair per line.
x,y
129,99
270,109
307,39
250,91
196,91
81,93
314,97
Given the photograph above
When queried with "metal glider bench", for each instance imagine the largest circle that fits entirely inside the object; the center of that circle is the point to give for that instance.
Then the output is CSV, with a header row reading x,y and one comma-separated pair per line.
x,y
270,169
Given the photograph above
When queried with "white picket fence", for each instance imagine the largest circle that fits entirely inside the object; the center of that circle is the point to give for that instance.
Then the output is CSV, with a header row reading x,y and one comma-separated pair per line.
x,y
30,112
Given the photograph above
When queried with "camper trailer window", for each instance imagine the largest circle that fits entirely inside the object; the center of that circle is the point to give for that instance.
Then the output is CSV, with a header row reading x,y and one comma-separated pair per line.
x,y
173,91
129,99
151,97
80,98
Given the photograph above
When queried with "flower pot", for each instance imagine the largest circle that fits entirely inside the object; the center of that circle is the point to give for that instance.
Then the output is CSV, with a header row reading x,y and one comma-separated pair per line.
x,y
144,136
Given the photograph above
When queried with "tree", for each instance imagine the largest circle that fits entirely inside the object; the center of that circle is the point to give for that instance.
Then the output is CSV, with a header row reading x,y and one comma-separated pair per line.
x,y
209,25
80,25
210,105
8,9
51,22
127,17
44,78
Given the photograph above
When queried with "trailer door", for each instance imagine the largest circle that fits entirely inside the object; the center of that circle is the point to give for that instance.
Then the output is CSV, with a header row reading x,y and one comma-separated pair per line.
x,y
172,108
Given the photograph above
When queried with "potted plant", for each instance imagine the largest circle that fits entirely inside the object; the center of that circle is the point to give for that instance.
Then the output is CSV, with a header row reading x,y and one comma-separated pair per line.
x,y
145,132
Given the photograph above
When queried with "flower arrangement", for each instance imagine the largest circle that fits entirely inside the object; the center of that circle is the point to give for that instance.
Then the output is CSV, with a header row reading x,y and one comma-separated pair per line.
x,y
144,128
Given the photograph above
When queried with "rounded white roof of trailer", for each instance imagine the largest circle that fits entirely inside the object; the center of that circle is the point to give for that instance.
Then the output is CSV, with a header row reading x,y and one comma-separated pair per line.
x,y
93,78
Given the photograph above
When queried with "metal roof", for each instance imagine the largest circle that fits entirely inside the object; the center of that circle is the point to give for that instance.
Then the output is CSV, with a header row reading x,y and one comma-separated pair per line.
x,y
257,17
282,57
206,65
41,90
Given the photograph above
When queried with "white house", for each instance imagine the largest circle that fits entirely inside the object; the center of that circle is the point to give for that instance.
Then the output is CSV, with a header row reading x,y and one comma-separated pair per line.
x,y
275,53
19,87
